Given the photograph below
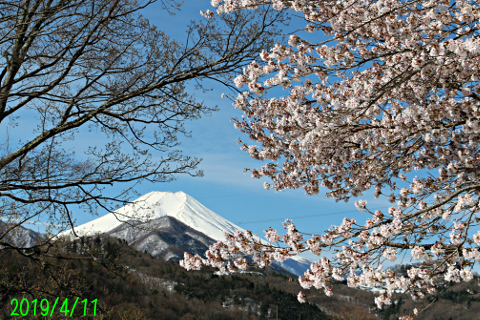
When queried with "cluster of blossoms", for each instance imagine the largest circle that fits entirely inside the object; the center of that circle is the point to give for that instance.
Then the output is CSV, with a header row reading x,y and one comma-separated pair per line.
x,y
221,254
392,88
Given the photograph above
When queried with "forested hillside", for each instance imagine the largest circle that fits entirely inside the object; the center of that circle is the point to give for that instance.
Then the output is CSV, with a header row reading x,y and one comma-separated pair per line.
x,y
133,285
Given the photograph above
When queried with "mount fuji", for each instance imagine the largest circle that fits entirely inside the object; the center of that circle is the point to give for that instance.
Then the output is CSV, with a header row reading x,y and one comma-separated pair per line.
x,y
167,224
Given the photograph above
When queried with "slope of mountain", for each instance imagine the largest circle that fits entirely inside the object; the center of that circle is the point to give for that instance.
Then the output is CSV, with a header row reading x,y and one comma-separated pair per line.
x,y
296,265
164,237
20,236
147,212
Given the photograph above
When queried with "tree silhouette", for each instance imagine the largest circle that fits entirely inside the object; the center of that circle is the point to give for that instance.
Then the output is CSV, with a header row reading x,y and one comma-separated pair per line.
x,y
68,67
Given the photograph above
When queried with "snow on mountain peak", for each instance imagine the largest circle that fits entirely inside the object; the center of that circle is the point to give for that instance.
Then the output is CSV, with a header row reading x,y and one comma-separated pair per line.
x,y
156,204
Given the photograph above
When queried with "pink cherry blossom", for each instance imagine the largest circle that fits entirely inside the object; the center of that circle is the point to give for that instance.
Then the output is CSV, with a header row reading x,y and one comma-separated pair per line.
x,y
383,90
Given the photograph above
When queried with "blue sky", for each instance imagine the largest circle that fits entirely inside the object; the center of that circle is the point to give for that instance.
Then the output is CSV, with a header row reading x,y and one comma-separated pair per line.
x,y
225,189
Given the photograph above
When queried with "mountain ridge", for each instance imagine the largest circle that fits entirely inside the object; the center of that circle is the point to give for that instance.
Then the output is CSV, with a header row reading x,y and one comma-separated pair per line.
x,y
184,208
21,237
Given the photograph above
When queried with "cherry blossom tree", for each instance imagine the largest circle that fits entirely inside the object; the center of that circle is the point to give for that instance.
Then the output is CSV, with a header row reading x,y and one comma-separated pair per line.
x,y
383,95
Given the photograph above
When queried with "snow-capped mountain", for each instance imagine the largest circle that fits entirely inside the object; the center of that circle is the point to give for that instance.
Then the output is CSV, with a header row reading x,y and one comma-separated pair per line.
x,y
155,205
148,213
